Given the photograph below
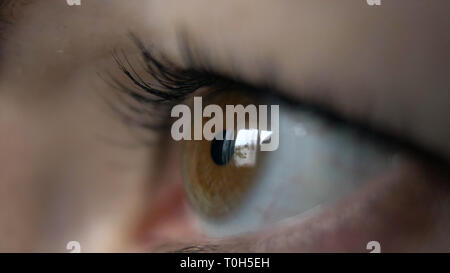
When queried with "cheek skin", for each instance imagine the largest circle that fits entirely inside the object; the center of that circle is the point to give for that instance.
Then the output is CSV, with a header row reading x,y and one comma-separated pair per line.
x,y
405,211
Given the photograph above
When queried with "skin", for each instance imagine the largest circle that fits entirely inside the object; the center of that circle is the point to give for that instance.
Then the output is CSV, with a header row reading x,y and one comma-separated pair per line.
x,y
71,170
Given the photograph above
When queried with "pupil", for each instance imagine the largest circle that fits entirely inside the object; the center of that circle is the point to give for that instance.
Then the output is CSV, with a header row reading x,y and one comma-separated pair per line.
x,y
222,150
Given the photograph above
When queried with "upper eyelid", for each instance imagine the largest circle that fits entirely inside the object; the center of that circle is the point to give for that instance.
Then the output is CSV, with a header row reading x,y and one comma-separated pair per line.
x,y
203,67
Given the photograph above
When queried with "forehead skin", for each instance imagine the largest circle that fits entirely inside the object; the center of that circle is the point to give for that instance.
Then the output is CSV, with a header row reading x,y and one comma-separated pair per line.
x,y
385,64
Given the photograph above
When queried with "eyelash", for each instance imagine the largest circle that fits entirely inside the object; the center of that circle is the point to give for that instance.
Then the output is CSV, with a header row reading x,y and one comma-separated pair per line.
x,y
170,85
174,84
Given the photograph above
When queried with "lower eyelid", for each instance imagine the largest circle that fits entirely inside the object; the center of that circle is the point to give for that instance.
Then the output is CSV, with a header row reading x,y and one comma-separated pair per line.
x,y
398,210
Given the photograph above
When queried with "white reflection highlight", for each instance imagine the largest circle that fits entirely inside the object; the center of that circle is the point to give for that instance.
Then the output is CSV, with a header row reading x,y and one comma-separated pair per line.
x,y
265,136
245,147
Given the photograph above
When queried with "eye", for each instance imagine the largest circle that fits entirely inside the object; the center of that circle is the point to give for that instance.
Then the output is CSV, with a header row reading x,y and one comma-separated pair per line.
x,y
235,187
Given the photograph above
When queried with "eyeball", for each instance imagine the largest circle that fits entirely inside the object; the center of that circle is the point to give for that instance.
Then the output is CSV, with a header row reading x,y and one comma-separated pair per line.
x,y
235,187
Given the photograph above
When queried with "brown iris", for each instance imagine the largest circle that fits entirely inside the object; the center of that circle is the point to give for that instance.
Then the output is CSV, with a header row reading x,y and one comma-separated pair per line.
x,y
216,181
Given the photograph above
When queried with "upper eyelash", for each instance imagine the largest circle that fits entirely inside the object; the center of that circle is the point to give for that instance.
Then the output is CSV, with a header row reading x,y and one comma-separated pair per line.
x,y
173,83
169,85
